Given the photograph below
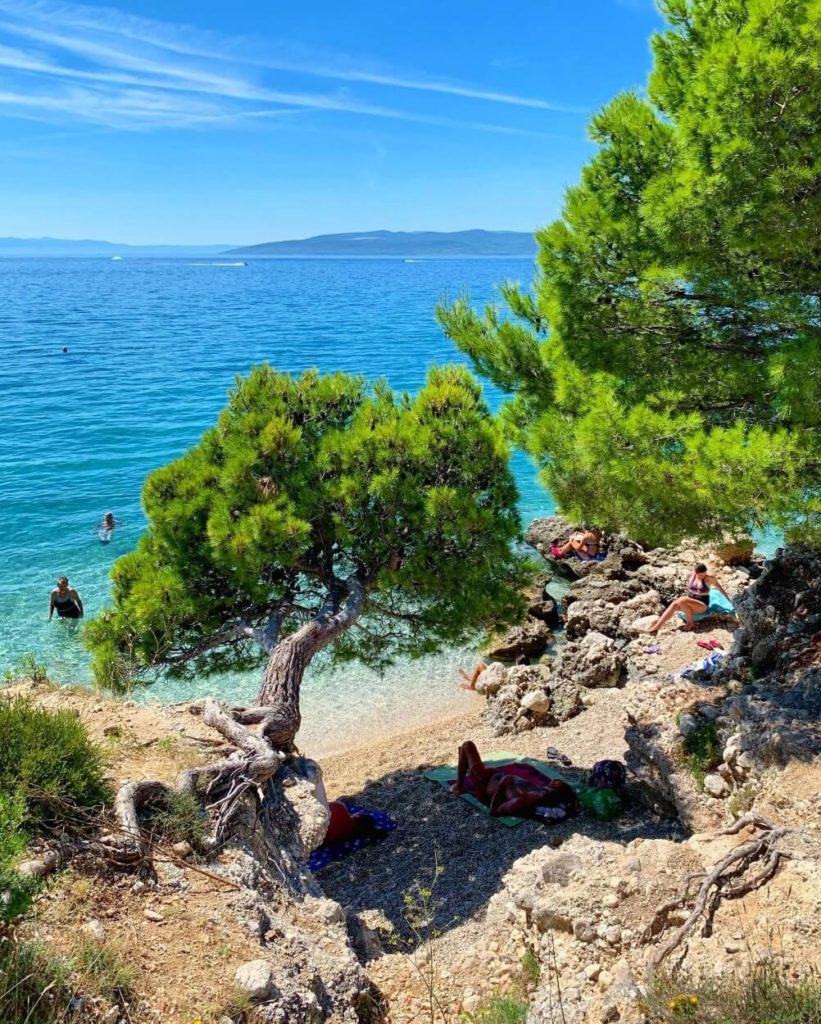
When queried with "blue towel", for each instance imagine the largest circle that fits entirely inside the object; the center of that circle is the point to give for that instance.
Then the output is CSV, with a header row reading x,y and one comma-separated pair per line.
x,y
719,605
325,854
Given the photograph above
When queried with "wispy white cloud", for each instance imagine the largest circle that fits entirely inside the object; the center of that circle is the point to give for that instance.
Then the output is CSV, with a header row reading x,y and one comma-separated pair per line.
x,y
141,74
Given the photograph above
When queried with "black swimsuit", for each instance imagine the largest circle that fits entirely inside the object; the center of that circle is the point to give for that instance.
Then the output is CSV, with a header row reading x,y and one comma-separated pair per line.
x,y
66,608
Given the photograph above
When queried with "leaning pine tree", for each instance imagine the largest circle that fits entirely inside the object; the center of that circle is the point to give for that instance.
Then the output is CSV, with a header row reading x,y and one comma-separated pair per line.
x,y
316,515
665,368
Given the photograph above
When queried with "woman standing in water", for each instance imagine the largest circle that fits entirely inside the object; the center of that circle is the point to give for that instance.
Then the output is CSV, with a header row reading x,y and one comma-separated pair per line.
x,y
65,601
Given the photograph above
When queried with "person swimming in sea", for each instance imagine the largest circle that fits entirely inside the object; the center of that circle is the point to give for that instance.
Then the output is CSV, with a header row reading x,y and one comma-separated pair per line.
x,y
65,601
694,602
105,528
108,522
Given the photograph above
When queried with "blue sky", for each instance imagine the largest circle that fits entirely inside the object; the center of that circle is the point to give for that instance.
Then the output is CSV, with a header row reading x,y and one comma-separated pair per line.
x,y
247,121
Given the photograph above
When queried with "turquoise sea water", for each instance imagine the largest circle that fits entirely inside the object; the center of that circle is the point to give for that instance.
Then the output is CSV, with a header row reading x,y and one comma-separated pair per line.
x,y
153,346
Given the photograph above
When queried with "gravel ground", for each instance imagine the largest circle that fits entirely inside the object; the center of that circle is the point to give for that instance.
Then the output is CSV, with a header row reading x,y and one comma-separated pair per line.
x,y
436,828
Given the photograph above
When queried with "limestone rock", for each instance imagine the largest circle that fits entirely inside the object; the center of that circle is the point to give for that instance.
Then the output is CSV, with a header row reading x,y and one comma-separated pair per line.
x,y
255,978
716,786
95,930
641,624
583,930
302,794
595,662
529,638
542,534
492,679
536,701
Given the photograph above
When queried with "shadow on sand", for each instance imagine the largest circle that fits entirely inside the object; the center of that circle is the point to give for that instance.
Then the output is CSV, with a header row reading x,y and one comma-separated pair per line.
x,y
473,849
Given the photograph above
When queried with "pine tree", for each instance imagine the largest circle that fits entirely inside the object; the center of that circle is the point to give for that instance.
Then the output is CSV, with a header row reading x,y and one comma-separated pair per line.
x,y
318,514
664,368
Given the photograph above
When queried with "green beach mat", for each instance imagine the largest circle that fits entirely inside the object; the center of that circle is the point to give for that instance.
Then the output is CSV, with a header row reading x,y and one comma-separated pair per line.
x,y
447,773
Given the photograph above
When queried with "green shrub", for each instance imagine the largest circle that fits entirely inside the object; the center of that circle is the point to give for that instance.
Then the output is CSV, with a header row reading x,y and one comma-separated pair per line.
x,y
34,984
764,996
28,667
47,761
104,971
178,818
703,750
16,890
531,969
500,1010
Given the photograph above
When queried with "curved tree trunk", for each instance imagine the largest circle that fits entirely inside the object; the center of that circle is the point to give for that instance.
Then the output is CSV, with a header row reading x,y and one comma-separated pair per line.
x,y
279,693
263,736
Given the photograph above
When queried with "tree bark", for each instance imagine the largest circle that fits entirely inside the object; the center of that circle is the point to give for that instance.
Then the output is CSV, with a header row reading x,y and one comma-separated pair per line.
x,y
279,692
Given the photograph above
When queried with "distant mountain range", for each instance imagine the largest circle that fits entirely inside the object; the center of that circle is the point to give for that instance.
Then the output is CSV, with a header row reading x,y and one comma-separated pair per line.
x,y
91,247
400,243
354,243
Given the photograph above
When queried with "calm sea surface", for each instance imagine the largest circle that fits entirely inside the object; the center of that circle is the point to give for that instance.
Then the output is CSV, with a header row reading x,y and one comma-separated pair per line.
x,y
153,347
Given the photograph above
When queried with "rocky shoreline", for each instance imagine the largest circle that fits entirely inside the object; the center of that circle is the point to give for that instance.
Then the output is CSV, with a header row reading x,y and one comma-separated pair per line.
x,y
594,902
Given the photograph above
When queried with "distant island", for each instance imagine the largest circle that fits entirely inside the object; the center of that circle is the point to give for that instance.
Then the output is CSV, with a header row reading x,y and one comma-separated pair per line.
x,y
93,247
400,243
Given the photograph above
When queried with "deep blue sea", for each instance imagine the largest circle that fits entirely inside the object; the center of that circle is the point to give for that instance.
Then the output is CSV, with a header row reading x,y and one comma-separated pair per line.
x,y
153,346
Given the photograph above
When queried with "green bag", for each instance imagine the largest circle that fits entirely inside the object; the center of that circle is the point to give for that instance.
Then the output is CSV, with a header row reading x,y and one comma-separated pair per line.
x,y
603,804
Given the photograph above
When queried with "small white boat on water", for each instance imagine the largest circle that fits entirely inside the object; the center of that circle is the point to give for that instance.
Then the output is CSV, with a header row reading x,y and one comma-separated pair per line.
x,y
113,258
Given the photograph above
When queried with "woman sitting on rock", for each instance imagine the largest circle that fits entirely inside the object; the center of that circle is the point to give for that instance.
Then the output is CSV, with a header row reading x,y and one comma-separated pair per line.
x,y
694,602
585,544
517,788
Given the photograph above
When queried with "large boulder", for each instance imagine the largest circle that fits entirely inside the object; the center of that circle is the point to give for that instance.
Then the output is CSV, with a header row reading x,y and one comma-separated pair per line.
x,y
594,662
530,698
596,588
492,679
255,979
529,638
608,606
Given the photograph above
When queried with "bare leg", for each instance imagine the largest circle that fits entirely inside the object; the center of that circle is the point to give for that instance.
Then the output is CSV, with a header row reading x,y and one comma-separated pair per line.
x,y
666,615
471,679
690,607
469,761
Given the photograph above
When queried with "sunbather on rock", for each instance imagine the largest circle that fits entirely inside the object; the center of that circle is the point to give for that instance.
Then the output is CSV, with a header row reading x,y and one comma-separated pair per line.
x,y
586,544
694,602
517,788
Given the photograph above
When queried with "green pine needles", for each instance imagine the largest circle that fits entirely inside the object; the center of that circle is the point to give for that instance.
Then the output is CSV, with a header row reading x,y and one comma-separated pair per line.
x,y
664,369
311,491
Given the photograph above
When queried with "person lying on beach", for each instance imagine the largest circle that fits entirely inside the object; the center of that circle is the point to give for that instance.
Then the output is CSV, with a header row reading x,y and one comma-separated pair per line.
x,y
470,683
65,601
585,543
695,601
517,788
345,826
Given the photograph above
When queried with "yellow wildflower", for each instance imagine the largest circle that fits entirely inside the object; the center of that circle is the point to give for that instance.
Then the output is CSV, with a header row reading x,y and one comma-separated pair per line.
x,y
694,1000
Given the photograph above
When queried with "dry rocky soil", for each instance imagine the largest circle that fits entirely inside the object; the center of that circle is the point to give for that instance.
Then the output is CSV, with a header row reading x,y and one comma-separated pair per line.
x,y
580,899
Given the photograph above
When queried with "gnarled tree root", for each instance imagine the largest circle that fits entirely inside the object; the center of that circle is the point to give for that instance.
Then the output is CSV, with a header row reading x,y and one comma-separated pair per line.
x,y
222,788
714,886
222,785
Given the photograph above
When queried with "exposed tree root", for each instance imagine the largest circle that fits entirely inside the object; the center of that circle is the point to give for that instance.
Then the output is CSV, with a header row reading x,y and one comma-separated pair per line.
x,y
714,887
224,788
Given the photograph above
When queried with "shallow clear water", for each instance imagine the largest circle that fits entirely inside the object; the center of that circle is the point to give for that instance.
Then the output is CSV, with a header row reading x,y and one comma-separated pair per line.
x,y
153,347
